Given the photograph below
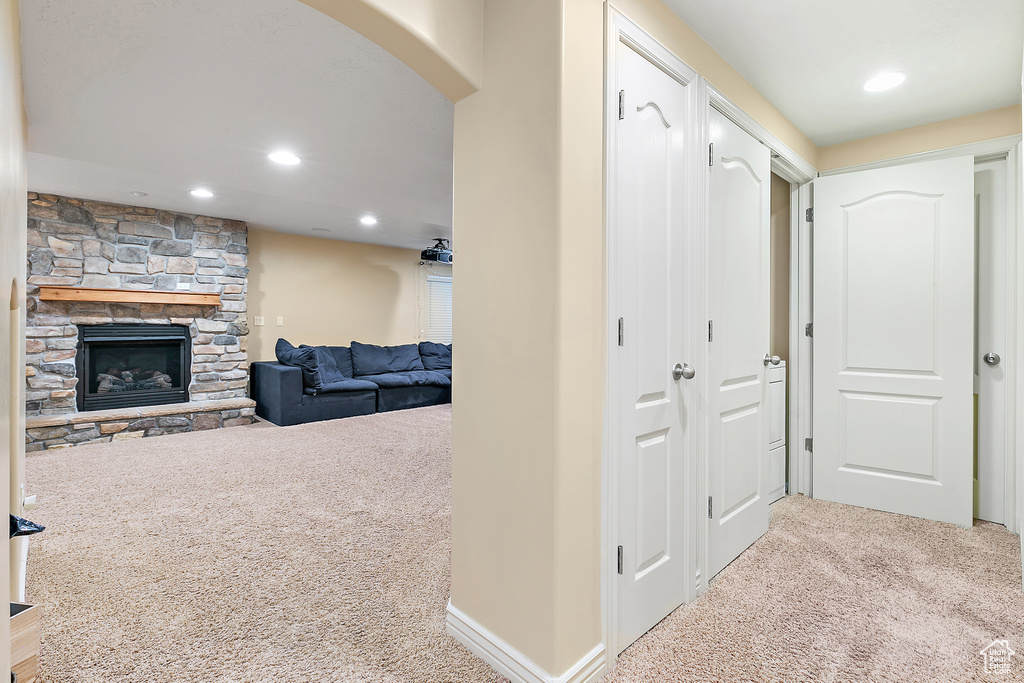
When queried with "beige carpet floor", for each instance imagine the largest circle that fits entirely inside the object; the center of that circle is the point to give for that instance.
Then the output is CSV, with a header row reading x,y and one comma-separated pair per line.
x,y
320,553
839,593
311,553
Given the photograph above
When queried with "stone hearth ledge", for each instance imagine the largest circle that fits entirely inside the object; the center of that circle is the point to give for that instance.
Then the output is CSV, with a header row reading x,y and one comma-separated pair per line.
x,y
43,432
139,412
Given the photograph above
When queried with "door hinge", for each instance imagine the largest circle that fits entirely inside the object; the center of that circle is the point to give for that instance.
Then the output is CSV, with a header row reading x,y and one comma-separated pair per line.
x,y
809,330
620,559
620,331
711,330
710,508
711,154
809,215
622,104
809,444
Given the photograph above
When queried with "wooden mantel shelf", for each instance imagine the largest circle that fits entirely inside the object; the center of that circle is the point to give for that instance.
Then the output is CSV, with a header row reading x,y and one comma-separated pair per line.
x,y
129,296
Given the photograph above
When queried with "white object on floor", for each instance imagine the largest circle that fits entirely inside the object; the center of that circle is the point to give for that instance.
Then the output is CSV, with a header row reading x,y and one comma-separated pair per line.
x,y
776,432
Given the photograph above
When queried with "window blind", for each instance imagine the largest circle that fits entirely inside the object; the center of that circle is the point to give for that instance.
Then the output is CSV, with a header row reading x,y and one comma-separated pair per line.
x,y
439,309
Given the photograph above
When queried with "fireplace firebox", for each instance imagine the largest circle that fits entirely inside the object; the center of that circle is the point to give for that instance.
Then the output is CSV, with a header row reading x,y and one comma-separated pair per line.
x,y
121,366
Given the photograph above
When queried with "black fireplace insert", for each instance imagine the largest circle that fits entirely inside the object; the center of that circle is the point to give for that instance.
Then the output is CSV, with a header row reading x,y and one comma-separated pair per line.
x,y
120,366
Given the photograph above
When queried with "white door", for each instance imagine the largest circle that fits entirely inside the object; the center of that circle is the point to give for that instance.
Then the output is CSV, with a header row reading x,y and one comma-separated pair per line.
x,y
738,272
893,339
648,231
991,314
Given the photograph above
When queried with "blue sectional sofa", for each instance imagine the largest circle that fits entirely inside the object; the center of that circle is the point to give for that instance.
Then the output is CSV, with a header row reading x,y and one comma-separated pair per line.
x,y
312,383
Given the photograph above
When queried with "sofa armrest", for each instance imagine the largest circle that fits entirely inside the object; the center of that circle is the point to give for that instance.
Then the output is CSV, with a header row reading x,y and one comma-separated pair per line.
x,y
277,390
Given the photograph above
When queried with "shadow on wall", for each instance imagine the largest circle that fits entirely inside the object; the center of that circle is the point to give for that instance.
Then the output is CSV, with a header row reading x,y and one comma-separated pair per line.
x,y
329,292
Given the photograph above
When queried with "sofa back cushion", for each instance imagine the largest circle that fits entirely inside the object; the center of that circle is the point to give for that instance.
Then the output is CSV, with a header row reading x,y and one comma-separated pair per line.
x,y
436,356
343,359
368,359
329,370
304,358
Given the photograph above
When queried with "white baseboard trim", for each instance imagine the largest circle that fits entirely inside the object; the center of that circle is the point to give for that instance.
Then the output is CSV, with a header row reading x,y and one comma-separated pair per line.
x,y
512,663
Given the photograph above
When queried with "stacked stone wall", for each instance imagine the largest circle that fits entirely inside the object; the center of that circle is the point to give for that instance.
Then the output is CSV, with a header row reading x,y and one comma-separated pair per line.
x,y
81,243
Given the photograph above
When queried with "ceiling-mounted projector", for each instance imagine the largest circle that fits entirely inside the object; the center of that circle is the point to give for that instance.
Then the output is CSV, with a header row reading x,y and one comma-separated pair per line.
x,y
439,253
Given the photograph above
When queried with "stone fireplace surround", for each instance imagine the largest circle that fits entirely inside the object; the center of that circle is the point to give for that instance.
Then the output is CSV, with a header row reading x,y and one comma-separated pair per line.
x,y
81,243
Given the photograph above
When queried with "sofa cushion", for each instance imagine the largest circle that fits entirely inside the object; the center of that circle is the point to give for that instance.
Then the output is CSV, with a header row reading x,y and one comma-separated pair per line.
x,y
408,379
368,359
447,372
343,385
436,356
329,371
343,359
305,358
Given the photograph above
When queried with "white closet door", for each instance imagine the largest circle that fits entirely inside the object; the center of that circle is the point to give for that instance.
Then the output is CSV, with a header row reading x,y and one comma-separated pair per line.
x,y
738,284
894,339
650,224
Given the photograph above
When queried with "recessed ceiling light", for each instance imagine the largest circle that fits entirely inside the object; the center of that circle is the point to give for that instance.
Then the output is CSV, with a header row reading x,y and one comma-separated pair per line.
x,y
368,220
884,81
136,193
285,158
202,193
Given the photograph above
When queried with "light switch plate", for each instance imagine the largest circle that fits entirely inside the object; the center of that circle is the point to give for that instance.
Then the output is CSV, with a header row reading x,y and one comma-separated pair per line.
x,y
280,320
257,320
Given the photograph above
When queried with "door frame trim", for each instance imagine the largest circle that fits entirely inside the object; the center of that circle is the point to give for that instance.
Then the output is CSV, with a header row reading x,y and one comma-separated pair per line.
x,y
1008,147
994,147
620,29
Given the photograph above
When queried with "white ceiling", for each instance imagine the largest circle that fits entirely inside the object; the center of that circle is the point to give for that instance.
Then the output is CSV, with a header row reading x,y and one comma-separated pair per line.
x,y
809,58
164,97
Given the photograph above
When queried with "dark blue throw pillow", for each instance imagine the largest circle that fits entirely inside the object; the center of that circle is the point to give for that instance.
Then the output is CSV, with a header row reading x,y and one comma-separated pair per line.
x,y
304,358
436,356
328,364
368,359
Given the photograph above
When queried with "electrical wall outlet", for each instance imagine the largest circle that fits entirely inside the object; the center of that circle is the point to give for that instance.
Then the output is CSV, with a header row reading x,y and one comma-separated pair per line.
x,y
257,320
184,285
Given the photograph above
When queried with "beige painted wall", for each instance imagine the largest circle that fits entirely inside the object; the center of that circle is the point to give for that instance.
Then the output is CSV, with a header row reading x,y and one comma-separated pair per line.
x,y
329,292
527,441
504,423
440,40
950,133
780,268
13,241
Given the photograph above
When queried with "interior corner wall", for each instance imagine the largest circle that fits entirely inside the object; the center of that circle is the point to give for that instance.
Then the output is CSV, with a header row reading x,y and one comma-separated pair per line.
x,y
668,29
13,243
780,227
330,292
504,322
987,125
